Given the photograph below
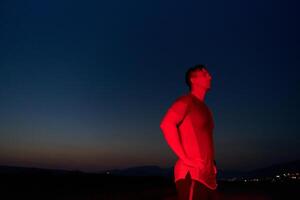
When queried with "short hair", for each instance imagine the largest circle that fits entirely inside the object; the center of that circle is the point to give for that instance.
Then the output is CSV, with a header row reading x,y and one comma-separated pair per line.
x,y
190,72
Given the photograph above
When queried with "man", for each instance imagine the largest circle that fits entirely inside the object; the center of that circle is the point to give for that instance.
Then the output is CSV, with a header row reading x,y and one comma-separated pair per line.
x,y
188,129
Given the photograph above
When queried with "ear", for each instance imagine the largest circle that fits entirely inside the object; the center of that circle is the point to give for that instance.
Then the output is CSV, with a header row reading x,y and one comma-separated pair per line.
x,y
192,80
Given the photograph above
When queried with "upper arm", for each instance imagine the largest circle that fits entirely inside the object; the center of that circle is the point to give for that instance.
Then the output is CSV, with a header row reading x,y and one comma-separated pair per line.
x,y
176,113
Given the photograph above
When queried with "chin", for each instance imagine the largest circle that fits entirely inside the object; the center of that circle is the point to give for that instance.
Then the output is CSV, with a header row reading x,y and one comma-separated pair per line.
x,y
209,85
205,87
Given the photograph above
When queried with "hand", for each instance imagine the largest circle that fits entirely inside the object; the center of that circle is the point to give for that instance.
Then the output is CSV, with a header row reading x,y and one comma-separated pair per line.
x,y
193,162
215,167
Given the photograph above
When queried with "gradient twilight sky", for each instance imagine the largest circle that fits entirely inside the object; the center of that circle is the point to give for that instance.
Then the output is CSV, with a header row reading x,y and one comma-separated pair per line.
x,y
84,84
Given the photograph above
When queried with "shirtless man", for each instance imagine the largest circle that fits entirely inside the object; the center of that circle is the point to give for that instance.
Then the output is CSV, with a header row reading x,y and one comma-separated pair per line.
x,y
188,129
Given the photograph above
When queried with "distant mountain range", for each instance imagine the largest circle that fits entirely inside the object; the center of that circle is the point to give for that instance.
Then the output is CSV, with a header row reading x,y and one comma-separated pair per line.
x,y
273,170
4,169
270,171
151,170
293,166
148,170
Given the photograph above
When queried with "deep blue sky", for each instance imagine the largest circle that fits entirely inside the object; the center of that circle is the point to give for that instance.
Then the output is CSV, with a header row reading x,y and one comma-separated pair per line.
x,y
84,84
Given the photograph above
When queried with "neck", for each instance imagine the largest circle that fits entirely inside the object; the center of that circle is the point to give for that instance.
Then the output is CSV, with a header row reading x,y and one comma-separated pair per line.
x,y
199,93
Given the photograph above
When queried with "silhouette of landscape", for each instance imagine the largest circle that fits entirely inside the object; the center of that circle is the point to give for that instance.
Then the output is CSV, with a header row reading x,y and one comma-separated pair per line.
x,y
143,182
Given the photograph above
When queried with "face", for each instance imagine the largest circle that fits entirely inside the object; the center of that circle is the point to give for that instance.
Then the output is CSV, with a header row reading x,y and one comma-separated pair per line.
x,y
201,78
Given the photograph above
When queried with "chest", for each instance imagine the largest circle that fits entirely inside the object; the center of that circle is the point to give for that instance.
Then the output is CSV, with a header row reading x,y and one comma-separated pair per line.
x,y
201,116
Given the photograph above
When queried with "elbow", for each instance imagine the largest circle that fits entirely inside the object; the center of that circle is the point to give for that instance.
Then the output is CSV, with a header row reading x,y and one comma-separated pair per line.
x,y
162,126
166,125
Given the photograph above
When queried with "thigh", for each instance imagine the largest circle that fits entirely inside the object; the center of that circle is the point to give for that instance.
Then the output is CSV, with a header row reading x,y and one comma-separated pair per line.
x,y
214,195
201,192
183,187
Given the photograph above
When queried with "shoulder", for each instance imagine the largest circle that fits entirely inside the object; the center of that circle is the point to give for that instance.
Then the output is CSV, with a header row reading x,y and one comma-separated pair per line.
x,y
185,98
181,104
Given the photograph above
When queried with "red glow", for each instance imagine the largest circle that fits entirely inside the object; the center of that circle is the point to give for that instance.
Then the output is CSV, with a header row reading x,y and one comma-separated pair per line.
x,y
188,129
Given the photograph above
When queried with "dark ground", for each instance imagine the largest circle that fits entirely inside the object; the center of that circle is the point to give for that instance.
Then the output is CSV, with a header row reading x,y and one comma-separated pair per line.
x,y
109,187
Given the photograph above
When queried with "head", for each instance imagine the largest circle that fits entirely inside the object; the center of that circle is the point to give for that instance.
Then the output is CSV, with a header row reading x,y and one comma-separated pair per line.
x,y
198,76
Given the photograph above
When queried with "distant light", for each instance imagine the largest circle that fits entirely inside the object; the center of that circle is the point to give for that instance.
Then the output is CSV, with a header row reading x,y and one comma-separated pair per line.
x,y
277,176
107,172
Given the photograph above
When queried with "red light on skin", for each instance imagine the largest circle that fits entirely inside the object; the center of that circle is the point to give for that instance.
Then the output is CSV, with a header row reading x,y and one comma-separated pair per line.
x,y
188,129
201,79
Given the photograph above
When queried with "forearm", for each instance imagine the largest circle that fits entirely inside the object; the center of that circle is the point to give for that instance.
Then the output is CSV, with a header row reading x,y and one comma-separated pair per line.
x,y
171,135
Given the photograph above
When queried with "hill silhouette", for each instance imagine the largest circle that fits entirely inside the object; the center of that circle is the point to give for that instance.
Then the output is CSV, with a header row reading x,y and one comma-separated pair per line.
x,y
152,170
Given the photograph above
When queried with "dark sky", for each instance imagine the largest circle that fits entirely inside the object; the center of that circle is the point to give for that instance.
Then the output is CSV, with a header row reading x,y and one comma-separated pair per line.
x,y
84,84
